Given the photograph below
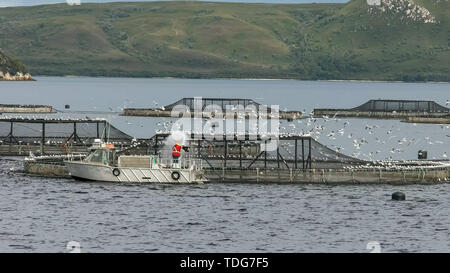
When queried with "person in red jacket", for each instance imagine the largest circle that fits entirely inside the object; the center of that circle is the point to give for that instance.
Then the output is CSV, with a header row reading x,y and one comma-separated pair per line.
x,y
176,152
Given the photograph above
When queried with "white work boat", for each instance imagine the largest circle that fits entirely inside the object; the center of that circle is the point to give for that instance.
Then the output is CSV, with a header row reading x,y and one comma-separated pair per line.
x,y
107,164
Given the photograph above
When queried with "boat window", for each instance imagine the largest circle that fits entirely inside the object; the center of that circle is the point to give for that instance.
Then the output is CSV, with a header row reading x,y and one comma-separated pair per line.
x,y
88,157
112,158
96,157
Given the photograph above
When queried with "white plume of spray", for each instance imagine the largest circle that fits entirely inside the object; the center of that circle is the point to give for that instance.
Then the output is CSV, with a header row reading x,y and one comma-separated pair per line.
x,y
176,136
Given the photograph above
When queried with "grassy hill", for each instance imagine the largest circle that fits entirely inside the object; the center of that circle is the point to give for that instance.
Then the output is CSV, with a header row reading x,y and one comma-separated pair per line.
x,y
203,40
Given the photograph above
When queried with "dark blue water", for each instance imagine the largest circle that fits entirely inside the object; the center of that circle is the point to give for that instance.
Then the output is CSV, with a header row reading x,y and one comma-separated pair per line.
x,y
43,215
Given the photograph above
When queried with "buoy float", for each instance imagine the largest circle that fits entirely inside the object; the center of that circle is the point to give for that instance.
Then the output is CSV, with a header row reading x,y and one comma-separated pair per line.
x,y
398,196
116,172
175,175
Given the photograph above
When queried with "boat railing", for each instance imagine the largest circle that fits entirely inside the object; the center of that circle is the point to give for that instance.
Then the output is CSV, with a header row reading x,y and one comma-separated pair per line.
x,y
74,156
183,163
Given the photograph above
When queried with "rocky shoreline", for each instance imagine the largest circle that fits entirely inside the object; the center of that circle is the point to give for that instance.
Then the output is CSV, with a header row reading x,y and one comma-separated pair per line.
x,y
17,77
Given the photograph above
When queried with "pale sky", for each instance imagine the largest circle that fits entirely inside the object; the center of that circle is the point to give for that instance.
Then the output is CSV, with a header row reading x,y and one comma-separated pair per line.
x,y
9,3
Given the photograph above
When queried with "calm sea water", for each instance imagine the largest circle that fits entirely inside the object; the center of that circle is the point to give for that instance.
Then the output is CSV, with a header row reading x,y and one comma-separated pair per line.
x,y
43,215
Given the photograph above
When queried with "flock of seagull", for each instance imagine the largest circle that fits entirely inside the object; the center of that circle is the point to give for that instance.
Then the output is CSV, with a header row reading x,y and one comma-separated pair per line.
x,y
333,130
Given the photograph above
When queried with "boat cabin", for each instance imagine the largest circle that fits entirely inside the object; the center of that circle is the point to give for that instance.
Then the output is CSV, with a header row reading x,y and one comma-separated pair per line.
x,y
102,156
113,158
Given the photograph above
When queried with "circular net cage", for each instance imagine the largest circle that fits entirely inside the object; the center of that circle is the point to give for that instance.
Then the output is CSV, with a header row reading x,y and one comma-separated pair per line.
x,y
58,132
402,106
299,152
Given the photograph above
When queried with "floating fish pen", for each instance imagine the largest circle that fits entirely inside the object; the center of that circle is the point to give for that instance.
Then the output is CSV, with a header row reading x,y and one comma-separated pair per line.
x,y
389,109
27,109
293,159
298,159
20,136
434,120
209,107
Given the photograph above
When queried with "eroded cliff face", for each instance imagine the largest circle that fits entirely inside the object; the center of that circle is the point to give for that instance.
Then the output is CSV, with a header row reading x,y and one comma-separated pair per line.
x,y
12,70
406,9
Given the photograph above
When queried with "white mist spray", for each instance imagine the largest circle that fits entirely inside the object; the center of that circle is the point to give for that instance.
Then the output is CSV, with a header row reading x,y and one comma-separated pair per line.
x,y
176,136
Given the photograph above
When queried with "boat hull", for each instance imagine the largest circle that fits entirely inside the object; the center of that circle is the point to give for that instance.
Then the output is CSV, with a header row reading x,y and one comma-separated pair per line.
x,y
90,172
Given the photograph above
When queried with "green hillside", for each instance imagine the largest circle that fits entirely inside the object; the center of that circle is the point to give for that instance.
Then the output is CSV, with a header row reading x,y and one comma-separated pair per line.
x,y
204,40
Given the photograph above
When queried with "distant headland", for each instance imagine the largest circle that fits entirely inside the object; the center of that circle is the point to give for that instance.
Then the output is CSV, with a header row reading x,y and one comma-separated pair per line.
x,y
17,77
13,70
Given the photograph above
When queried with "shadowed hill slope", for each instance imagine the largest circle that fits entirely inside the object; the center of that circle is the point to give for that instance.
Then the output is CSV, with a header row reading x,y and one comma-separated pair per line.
x,y
8,65
397,40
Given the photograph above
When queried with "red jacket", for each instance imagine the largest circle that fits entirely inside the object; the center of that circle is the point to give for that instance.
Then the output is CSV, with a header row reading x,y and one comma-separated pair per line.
x,y
176,150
